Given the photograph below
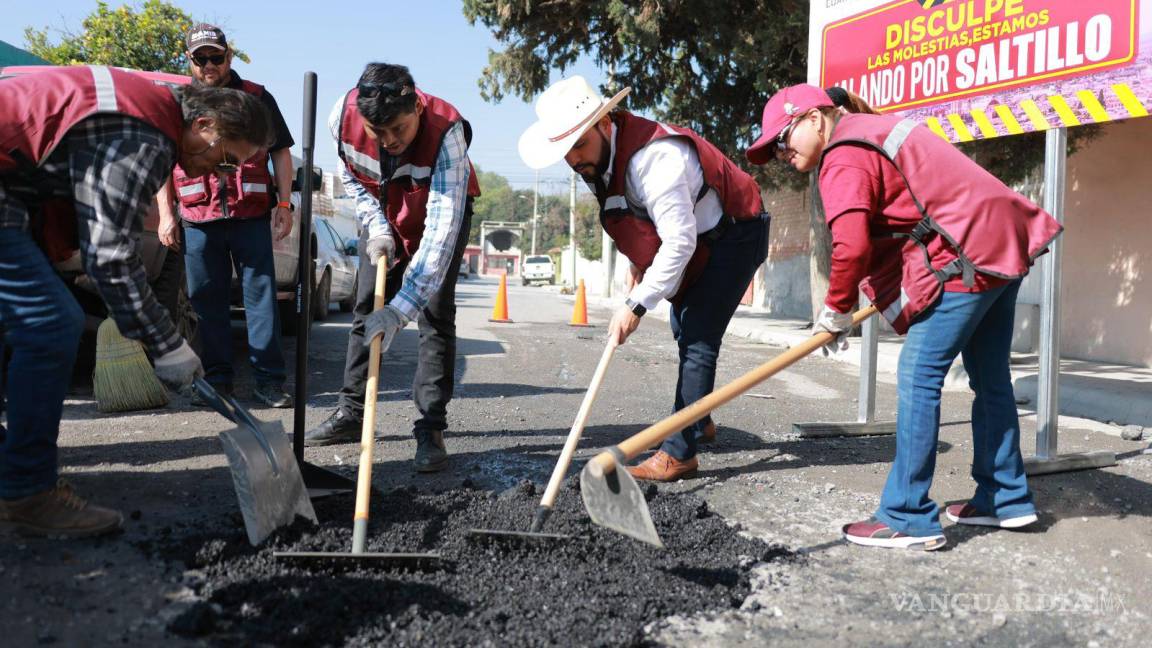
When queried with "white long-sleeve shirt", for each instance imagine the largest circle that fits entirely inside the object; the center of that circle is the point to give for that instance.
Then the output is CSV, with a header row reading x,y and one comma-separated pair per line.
x,y
662,182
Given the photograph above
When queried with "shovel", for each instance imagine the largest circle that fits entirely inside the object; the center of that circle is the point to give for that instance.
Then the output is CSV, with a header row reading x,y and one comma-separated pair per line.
x,y
359,557
610,494
267,479
561,469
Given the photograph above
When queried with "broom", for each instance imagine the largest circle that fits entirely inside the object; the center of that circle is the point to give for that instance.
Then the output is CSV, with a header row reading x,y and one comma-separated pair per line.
x,y
123,379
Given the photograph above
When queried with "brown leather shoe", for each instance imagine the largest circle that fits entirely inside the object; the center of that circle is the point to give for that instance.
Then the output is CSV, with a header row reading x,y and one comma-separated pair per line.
x,y
58,513
708,434
663,467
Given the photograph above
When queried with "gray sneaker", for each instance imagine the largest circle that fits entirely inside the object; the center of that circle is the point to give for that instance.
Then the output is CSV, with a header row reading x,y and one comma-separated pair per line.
x,y
431,455
58,513
272,394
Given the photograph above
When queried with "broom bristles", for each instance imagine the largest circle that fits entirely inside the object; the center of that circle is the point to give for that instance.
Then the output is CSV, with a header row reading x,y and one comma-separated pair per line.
x,y
123,379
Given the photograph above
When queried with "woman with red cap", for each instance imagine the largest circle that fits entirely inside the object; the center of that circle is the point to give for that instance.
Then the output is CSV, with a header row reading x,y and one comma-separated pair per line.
x,y
940,246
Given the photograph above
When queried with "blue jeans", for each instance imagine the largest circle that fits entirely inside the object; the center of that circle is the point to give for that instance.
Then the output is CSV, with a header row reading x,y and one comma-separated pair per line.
x,y
41,324
979,327
700,318
211,250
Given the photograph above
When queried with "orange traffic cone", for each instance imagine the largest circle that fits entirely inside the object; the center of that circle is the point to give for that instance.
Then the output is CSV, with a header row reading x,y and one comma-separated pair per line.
x,y
500,310
580,309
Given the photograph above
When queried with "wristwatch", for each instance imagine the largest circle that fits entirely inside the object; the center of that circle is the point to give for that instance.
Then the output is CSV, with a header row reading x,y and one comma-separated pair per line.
x,y
637,308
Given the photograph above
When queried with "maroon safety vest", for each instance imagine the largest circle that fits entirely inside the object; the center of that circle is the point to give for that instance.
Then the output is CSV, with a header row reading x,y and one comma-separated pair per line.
x,y
40,108
971,221
40,105
407,200
249,191
634,232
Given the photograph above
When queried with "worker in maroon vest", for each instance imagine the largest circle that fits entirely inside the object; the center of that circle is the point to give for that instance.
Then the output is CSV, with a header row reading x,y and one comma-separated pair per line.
x,y
99,141
689,220
940,246
405,155
229,221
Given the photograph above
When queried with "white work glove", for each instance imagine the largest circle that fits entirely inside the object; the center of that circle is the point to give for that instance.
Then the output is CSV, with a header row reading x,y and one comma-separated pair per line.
x,y
836,323
177,369
386,323
379,246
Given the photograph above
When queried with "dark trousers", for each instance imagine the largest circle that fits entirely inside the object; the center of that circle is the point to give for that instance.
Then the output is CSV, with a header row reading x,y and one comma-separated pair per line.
x,y
699,320
435,370
41,324
212,250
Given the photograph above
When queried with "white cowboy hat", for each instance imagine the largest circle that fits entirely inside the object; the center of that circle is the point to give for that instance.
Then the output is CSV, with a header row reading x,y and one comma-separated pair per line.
x,y
566,110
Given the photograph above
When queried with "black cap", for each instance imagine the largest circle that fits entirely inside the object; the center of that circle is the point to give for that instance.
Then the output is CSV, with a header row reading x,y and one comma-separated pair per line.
x,y
205,35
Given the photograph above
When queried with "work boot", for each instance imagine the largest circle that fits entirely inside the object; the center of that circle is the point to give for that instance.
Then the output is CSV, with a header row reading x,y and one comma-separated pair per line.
x,y
196,400
272,394
58,513
708,434
663,467
431,455
340,427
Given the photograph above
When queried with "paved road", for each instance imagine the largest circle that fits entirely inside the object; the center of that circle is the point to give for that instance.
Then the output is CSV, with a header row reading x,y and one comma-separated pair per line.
x,y
1081,578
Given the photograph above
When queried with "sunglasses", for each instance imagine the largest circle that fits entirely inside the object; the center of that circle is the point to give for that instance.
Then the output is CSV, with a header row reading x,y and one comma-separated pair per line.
x,y
782,138
204,59
389,90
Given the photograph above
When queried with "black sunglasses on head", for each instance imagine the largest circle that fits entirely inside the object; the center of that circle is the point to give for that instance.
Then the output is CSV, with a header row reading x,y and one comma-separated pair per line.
x,y
204,59
389,90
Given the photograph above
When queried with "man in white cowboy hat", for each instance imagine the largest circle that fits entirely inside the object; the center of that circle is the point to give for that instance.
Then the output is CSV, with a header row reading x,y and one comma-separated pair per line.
x,y
690,221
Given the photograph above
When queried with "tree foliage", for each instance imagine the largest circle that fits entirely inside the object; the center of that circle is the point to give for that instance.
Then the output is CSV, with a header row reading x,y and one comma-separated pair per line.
x,y
703,64
148,38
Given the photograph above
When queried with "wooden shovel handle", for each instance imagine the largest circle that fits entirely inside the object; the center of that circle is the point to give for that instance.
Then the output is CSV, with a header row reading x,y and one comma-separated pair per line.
x,y
654,434
368,429
578,427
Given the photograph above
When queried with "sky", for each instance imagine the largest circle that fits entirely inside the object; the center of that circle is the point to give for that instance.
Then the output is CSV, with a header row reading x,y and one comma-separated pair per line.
x,y
335,39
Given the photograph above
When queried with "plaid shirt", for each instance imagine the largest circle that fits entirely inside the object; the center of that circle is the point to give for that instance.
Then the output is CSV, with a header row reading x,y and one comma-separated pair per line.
x,y
111,166
445,212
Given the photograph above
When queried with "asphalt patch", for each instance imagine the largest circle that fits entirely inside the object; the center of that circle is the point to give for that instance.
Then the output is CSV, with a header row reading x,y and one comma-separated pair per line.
x,y
597,588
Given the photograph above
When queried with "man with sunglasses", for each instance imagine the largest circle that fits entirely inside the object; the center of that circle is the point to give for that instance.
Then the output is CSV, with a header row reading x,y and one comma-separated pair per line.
x,y
691,222
405,157
83,150
226,216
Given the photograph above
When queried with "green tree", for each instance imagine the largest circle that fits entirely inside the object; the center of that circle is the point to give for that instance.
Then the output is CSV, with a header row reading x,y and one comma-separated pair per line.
x,y
149,38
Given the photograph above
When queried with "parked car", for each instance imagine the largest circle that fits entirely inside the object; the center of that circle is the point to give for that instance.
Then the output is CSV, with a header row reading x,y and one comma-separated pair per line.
x,y
538,268
336,267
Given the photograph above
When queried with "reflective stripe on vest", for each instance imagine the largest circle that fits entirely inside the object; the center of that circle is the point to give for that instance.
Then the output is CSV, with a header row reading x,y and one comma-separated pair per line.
x,y
105,89
255,186
362,161
188,190
417,173
615,202
893,310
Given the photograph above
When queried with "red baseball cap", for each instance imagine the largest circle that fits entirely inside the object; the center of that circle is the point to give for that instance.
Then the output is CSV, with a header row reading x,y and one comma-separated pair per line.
x,y
781,109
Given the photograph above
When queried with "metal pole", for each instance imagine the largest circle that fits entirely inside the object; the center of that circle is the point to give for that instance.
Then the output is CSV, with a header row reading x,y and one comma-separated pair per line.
x,y
304,266
572,226
1048,385
483,251
535,210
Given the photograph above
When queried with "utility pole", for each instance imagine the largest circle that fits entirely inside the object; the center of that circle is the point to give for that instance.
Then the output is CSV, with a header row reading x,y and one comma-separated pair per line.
x,y
535,210
572,227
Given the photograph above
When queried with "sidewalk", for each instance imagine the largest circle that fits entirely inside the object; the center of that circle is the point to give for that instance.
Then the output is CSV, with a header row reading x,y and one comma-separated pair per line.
x,y
1118,395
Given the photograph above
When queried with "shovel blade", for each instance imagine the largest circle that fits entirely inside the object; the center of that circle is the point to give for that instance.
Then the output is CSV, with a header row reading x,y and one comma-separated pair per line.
x,y
270,489
614,501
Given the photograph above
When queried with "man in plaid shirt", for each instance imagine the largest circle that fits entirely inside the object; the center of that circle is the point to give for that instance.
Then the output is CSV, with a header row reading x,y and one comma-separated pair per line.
x,y
83,151
405,157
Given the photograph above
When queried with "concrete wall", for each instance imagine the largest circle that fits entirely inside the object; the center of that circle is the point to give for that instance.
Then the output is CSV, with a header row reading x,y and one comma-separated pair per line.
x,y
1106,290
785,283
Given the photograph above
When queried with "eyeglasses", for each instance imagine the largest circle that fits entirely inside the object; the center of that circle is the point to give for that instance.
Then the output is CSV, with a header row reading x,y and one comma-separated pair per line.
x,y
204,59
225,166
